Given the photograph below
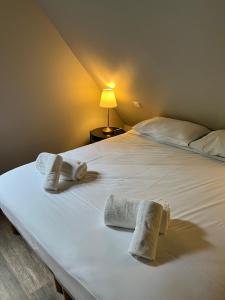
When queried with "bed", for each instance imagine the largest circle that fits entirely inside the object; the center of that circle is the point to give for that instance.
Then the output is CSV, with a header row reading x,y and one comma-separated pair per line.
x,y
90,260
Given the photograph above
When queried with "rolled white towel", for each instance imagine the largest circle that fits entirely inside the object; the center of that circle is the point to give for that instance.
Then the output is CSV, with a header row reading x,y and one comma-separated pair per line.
x,y
53,168
41,162
71,169
120,212
165,217
145,237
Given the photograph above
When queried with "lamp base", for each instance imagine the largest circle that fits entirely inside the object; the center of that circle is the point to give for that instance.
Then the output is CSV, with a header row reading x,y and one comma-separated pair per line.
x,y
107,130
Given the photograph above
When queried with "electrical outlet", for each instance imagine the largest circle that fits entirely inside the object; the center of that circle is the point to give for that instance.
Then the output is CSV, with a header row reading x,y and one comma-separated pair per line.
x,y
137,104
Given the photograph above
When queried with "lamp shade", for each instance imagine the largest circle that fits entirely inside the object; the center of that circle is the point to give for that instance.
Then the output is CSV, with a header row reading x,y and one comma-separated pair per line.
x,y
108,98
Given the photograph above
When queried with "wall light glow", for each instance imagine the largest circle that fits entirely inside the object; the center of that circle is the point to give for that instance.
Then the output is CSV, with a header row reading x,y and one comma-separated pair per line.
x,y
111,85
120,76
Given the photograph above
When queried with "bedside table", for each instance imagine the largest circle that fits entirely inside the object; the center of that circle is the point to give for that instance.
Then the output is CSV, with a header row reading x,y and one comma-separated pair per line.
x,y
97,135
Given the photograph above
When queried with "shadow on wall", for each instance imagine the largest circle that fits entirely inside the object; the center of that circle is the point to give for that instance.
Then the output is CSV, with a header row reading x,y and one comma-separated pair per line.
x,y
170,53
48,100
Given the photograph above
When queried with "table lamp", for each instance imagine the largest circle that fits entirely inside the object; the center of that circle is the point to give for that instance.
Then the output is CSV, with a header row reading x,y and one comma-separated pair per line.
x,y
108,100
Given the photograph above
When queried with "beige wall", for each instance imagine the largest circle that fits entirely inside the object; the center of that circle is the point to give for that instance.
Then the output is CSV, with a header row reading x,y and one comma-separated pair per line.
x,y
169,55
48,102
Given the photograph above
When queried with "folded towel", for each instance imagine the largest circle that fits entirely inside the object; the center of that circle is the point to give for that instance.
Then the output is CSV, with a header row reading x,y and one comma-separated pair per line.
x,y
122,212
165,217
41,162
53,168
71,169
145,237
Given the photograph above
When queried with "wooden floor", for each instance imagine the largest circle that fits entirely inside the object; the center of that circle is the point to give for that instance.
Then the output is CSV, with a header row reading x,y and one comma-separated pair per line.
x,y
22,275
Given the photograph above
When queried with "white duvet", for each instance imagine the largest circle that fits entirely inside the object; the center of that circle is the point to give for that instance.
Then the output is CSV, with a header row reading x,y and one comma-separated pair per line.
x,y
67,229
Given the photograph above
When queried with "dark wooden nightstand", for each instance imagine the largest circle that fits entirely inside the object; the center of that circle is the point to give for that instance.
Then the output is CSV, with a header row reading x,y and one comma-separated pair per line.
x,y
97,134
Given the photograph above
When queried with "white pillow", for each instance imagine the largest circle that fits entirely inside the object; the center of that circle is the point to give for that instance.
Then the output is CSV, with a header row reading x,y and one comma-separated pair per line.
x,y
171,131
212,144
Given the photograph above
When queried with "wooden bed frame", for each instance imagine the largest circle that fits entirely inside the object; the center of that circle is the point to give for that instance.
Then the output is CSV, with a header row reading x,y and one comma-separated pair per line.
x,y
58,286
60,289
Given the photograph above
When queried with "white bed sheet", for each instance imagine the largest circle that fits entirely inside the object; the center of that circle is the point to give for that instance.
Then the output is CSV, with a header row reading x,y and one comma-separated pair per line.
x,y
67,230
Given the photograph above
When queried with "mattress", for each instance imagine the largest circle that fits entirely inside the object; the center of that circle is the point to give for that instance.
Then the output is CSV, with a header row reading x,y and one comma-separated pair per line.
x,y
67,231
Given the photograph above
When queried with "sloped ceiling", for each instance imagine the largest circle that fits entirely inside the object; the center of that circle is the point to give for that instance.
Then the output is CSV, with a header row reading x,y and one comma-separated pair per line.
x,y
168,55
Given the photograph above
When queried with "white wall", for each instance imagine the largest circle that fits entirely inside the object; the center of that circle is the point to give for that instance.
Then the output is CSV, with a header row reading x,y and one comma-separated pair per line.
x,y
48,102
169,55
